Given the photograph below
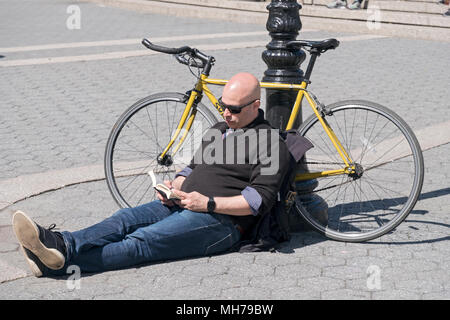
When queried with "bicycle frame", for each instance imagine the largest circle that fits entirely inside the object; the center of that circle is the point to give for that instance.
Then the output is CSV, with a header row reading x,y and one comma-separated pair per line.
x,y
201,87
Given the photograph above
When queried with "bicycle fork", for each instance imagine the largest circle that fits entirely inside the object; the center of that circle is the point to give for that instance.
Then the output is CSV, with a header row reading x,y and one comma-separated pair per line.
x,y
187,118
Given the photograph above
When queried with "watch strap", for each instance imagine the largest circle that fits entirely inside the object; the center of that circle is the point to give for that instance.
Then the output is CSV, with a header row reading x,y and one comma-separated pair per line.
x,y
211,205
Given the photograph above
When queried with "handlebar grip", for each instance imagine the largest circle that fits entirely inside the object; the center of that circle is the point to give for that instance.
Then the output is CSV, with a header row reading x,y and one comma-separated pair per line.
x,y
162,49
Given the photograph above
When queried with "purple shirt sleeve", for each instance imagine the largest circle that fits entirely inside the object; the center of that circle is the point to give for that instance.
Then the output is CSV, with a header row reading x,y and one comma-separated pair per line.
x,y
253,198
185,172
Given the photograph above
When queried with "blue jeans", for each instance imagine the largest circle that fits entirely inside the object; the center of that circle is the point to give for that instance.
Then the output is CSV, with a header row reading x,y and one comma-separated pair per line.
x,y
148,233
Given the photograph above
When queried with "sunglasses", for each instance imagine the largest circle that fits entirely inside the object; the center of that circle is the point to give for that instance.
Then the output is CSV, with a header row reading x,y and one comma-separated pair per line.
x,y
234,109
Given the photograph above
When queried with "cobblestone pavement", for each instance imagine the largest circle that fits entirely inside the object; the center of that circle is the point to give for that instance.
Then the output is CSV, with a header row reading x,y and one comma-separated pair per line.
x,y
58,116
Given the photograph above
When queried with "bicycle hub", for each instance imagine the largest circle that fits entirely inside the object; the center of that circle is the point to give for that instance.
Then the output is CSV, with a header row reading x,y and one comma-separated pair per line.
x,y
358,171
165,161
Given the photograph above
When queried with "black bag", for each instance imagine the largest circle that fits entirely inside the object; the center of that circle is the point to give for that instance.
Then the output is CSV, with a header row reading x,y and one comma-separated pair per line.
x,y
273,227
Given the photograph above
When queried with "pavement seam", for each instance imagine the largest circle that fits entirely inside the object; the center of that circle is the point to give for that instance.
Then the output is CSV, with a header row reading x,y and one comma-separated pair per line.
x,y
146,52
95,179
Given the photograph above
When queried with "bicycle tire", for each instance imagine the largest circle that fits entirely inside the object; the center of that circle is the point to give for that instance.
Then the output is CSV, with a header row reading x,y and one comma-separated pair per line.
x,y
387,150
139,136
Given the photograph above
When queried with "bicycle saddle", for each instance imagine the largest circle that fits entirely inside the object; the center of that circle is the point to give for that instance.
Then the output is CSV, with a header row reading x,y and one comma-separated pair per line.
x,y
320,46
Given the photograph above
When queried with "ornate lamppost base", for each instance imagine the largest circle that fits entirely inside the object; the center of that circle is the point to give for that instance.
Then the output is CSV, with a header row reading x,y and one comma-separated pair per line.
x,y
283,65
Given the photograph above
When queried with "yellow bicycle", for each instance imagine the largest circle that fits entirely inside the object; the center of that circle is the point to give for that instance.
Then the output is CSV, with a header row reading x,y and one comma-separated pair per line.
x,y
367,160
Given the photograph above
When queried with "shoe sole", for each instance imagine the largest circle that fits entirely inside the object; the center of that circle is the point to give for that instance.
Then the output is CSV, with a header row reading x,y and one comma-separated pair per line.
x,y
27,233
33,266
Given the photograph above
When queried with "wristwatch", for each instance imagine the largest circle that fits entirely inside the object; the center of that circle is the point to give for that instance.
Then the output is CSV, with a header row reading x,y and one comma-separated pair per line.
x,y
211,205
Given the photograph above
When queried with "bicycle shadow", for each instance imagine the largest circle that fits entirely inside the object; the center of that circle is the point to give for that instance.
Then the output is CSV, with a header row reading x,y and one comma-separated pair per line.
x,y
307,237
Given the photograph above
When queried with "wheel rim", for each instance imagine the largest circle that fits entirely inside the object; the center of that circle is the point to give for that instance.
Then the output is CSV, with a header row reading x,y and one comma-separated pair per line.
x,y
376,202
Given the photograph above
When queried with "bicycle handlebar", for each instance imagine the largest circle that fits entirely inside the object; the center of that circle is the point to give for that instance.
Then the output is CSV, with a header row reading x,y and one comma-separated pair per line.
x,y
178,52
162,49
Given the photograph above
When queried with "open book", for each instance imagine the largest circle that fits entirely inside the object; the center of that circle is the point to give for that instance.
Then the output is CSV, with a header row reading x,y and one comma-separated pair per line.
x,y
165,191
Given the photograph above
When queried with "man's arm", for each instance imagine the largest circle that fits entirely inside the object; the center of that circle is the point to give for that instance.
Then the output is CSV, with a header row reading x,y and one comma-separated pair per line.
x,y
235,206
195,201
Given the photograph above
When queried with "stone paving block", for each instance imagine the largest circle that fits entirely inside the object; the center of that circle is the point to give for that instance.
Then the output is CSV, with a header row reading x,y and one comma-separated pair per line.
x,y
158,269
444,295
226,281
252,270
130,278
116,296
10,272
396,273
204,269
433,255
243,293
321,284
422,265
148,292
16,261
297,271
272,282
233,259
384,253
396,295
331,249
296,293
425,286
344,272
345,294
176,281
365,262
322,261
442,275
276,259
195,292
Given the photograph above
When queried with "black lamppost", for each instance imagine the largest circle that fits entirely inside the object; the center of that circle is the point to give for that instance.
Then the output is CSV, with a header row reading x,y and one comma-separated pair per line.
x,y
283,65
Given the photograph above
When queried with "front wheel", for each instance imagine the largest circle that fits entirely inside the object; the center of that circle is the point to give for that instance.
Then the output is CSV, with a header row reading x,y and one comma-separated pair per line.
x,y
139,137
380,195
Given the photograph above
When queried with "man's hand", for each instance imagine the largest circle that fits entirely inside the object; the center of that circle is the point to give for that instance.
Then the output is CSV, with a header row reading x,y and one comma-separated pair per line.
x,y
193,201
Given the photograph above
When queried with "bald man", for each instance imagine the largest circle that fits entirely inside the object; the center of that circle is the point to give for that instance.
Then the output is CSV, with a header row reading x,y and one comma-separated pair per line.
x,y
220,201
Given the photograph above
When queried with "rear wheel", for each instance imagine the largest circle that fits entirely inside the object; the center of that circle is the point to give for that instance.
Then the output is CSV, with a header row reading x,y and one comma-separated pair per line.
x,y
389,177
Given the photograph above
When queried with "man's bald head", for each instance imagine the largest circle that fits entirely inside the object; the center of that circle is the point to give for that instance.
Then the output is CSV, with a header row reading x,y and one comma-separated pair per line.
x,y
241,88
